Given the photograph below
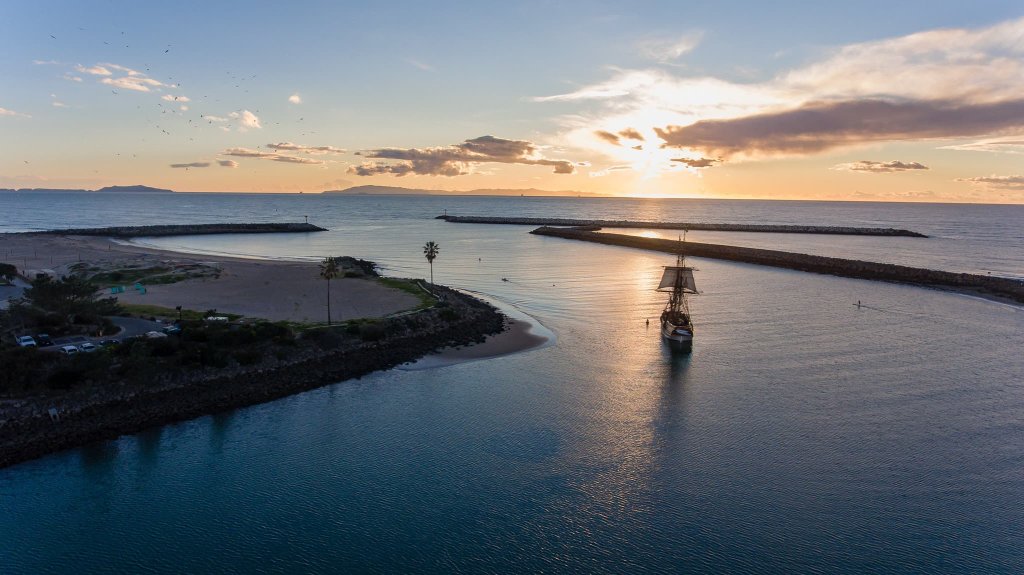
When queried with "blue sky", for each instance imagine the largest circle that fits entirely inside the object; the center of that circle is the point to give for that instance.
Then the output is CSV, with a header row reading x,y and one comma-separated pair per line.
x,y
418,80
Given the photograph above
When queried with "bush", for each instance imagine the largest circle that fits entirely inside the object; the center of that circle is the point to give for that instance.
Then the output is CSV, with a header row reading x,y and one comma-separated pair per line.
x,y
371,331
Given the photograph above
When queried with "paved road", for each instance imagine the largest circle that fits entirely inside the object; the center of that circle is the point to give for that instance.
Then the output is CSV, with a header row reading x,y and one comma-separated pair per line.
x,y
130,327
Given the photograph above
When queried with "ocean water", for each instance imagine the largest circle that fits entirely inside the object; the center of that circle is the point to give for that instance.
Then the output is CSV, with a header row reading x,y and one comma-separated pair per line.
x,y
801,435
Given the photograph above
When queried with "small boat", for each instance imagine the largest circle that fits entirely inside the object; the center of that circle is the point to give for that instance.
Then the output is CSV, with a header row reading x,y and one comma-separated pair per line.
x,y
676,325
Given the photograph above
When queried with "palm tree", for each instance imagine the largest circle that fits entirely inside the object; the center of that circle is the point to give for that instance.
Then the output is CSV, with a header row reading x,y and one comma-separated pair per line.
x,y
430,251
328,271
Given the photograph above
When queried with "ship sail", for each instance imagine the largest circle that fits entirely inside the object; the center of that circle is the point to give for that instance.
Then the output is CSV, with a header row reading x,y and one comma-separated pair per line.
x,y
682,275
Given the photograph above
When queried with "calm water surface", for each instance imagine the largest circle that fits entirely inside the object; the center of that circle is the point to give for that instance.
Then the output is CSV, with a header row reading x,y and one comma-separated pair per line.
x,y
802,435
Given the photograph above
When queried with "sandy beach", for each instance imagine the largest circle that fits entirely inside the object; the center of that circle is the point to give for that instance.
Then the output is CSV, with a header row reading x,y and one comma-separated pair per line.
x,y
258,289
266,289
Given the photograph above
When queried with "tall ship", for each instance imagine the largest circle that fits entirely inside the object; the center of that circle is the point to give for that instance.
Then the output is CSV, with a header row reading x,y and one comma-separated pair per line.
x,y
676,325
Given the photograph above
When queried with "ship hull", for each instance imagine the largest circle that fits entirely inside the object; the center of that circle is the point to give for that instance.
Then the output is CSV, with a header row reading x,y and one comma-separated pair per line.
x,y
678,337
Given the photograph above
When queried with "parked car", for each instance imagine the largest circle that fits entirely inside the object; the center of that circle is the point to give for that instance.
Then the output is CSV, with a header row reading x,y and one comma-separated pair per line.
x,y
43,340
173,328
88,347
68,349
109,342
155,334
26,341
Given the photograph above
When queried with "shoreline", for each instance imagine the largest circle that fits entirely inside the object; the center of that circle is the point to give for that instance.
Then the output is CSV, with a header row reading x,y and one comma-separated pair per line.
x,y
90,414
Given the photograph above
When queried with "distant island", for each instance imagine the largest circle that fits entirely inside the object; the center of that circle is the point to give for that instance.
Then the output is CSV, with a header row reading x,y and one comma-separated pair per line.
x,y
136,189
395,191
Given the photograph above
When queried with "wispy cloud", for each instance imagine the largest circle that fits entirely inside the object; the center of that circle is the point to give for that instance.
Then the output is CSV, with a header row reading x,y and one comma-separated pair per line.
x,y
421,65
271,156
46,63
314,150
173,98
295,98
94,70
6,112
940,84
1002,182
1006,145
456,160
669,49
879,167
207,164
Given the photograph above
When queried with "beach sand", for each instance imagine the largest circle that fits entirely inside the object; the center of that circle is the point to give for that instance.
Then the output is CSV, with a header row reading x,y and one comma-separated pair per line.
x,y
266,289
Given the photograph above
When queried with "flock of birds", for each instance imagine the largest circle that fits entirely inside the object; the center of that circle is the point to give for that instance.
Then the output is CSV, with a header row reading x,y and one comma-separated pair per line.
x,y
183,111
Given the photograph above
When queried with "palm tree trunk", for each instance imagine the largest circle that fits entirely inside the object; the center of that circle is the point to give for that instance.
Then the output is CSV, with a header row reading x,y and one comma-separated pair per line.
x,y
431,273
328,301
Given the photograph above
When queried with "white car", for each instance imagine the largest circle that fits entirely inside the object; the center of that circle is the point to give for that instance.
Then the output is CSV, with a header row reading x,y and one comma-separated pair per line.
x,y
88,347
26,341
155,334
68,349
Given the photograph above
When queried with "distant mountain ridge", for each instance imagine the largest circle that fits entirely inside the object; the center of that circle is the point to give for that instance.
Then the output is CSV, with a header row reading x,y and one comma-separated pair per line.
x,y
395,190
136,189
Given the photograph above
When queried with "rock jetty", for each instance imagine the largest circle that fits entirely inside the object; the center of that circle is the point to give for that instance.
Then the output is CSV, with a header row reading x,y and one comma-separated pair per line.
x,y
1000,287
771,228
188,230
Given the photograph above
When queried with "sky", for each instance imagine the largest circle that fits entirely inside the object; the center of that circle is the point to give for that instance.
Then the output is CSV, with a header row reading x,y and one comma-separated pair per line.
x,y
874,101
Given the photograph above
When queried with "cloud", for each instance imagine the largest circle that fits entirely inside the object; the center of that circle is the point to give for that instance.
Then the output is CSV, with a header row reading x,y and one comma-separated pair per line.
x,y
314,150
420,65
173,98
227,163
295,98
94,70
274,157
456,160
821,126
938,84
136,83
608,170
608,137
6,112
994,181
192,165
669,49
45,62
1008,145
631,134
246,120
696,162
879,167
72,78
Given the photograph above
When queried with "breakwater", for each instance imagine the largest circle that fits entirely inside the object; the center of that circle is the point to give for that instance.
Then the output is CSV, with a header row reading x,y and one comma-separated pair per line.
x,y
769,228
188,230
980,284
99,412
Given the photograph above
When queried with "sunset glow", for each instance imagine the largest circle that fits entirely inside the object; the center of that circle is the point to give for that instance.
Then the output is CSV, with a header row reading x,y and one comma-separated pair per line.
x,y
656,103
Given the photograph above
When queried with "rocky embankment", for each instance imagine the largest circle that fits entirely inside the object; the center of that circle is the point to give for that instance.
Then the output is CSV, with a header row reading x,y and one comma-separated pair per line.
x,y
189,230
28,431
983,285
770,228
